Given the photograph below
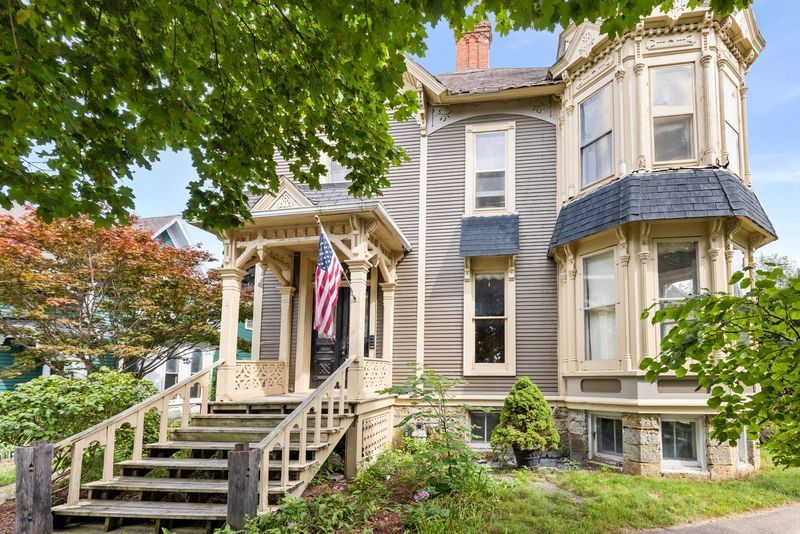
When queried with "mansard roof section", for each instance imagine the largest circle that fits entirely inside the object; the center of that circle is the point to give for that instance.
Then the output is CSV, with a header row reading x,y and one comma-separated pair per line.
x,y
475,85
660,195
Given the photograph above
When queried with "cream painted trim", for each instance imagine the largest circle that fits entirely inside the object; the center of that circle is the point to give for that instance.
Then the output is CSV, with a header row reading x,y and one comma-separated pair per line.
x,y
421,248
490,265
258,297
373,313
302,367
509,127
287,196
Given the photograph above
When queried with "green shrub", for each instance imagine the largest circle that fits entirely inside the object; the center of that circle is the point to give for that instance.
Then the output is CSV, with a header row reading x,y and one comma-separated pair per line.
x,y
526,420
445,463
52,408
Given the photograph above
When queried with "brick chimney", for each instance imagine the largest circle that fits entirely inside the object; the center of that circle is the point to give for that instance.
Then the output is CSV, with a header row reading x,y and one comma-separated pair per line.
x,y
472,50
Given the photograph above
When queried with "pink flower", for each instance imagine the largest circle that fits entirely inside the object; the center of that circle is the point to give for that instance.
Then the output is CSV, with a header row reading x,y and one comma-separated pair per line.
x,y
421,496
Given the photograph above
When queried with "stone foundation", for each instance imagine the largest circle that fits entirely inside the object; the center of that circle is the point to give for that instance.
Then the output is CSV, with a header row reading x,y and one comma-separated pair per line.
x,y
641,445
578,435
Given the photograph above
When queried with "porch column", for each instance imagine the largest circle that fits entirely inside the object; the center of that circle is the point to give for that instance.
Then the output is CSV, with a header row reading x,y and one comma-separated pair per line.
x,y
229,331
258,297
388,289
358,316
285,345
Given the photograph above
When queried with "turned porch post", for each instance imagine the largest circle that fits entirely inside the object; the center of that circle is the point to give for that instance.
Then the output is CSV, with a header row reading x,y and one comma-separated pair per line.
x,y
358,316
388,289
229,331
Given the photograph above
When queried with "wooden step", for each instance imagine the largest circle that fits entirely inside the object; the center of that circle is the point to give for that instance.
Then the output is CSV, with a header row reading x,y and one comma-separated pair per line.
x,y
175,485
202,464
249,420
144,510
220,445
234,434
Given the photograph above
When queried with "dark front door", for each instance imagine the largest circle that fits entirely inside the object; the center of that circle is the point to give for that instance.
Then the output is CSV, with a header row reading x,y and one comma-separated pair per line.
x,y
327,354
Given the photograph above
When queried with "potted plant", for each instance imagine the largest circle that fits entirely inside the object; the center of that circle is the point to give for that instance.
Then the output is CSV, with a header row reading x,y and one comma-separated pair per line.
x,y
526,424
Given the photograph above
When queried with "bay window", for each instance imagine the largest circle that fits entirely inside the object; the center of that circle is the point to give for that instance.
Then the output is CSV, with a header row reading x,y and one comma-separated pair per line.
x,y
490,168
596,126
677,274
600,305
673,113
489,318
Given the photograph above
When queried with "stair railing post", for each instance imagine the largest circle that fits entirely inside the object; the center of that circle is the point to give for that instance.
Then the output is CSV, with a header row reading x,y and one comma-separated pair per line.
x,y
287,437
108,454
164,421
317,421
303,432
242,485
138,436
186,409
34,466
75,468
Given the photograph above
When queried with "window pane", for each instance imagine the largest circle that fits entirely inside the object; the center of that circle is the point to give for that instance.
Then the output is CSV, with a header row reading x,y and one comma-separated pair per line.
x,y
732,148
490,340
477,421
609,436
738,264
338,172
673,138
172,366
596,115
490,189
672,87
677,270
170,379
197,361
601,334
490,151
490,295
731,102
598,274
596,160
492,420
678,440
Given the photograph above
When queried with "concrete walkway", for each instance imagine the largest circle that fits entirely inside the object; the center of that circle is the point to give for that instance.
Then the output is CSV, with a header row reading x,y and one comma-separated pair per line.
x,y
785,520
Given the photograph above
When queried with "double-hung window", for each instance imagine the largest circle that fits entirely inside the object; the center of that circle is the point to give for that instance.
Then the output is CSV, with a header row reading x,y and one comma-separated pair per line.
x,y
596,125
673,113
732,123
600,305
171,373
490,168
489,321
677,274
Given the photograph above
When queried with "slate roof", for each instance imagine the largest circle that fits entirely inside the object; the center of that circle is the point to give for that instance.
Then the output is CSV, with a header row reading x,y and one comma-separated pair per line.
x,y
493,80
659,195
489,236
326,195
154,224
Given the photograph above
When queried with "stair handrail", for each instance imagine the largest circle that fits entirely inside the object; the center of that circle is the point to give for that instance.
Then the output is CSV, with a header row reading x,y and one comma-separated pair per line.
x,y
281,434
104,432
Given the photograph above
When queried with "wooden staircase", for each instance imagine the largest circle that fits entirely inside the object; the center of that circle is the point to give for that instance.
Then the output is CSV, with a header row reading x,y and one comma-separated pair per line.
x,y
182,479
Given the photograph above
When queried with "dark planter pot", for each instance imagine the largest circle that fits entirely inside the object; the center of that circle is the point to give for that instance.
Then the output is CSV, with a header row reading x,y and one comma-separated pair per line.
x,y
528,459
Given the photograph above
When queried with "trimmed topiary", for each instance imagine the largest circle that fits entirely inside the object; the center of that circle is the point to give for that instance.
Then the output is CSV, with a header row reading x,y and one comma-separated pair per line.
x,y
526,424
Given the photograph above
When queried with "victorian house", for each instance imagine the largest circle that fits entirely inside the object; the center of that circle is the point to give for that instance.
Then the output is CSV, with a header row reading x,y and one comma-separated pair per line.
x,y
540,211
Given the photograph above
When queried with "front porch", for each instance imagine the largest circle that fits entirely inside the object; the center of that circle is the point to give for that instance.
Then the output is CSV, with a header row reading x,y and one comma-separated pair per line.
x,y
288,360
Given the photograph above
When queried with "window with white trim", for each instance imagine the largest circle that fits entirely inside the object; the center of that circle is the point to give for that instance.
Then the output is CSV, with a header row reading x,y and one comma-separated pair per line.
x,y
196,366
738,263
743,446
482,424
677,274
682,444
596,139
607,435
673,113
171,373
600,306
731,106
490,168
489,317
337,173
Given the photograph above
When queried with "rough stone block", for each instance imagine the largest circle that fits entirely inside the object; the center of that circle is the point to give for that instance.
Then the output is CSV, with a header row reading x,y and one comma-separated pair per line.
x,y
721,472
646,422
642,453
640,468
720,454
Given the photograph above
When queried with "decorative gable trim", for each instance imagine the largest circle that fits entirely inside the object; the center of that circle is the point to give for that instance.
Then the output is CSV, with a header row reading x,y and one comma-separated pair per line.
x,y
287,197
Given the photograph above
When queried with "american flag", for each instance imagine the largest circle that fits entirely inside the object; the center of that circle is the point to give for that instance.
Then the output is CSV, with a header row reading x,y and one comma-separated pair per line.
x,y
326,287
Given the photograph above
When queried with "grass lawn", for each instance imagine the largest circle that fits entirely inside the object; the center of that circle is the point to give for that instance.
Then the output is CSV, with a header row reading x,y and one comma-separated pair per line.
x,y
593,502
7,475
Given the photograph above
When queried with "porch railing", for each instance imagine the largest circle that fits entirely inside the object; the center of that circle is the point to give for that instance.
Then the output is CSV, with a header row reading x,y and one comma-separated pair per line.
x,y
259,378
331,394
104,434
377,374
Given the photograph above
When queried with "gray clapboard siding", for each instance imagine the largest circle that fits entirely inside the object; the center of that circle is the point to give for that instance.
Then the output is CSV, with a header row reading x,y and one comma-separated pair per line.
x,y
270,318
401,200
535,275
